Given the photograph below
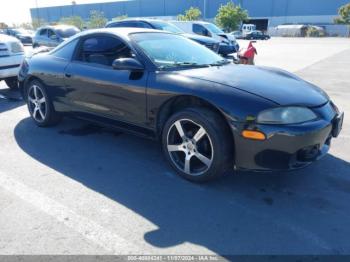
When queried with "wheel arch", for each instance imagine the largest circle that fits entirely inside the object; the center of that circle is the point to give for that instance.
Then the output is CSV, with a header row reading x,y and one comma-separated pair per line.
x,y
26,83
180,102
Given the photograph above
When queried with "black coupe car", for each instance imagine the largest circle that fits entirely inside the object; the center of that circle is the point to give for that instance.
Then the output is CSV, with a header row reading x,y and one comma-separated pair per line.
x,y
209,114
257,35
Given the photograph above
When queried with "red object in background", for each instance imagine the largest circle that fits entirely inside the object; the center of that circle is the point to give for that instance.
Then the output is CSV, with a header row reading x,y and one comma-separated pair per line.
x,y
250,52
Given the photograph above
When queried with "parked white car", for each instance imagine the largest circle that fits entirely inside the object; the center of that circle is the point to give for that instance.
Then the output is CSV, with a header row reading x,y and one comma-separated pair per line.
x,y
11,58
228,43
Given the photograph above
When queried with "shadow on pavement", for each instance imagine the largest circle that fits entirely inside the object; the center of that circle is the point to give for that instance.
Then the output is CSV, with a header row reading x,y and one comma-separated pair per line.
x,y
9,100
304,212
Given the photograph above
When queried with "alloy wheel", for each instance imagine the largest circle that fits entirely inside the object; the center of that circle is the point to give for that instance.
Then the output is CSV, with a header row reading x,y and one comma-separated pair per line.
x,y
190,147
37,103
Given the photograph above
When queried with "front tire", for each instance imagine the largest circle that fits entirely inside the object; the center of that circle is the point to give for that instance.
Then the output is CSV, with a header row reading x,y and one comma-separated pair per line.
x,y
197,144
40,106
12,83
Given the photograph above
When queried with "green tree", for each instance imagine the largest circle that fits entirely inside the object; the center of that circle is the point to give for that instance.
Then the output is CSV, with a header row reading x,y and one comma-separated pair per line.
x,y
230,16
76,21
26,25
3,25
120,17
344,15
97,19
191,14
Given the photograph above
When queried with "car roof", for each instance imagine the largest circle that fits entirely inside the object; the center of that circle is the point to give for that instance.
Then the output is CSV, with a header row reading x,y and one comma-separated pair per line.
x,y
137,19
194,22
57,27
120,31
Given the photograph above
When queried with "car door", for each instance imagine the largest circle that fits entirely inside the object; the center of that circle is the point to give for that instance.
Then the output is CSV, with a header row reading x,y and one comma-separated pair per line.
x,y
42,37
94,87
52,38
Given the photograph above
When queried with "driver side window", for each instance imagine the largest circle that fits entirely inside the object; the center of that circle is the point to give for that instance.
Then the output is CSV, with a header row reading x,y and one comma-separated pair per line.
x,y
51,33
43,32
200,30
102,50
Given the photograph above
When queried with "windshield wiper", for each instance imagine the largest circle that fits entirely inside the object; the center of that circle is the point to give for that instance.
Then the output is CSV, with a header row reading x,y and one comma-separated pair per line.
x,y
189,64
181,64
220,62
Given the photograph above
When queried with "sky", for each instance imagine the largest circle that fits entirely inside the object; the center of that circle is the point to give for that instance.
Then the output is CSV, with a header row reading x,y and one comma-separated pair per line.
x,y
17,11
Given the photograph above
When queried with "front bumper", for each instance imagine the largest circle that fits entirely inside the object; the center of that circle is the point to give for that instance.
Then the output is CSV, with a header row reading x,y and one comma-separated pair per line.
x,y
228,49
286,147
10,65
26,40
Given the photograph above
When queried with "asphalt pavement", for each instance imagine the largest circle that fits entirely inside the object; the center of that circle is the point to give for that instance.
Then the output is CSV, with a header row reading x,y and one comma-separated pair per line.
x,y
80,189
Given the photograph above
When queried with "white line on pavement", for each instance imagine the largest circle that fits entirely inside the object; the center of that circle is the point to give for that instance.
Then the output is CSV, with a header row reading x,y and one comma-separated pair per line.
x,y
89,229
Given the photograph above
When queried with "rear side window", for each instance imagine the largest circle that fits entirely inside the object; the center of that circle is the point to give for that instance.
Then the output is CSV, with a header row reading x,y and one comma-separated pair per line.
x,y
128,24
115,25
143,25
43,32
50,32
199,29
102,50
66,51
136,24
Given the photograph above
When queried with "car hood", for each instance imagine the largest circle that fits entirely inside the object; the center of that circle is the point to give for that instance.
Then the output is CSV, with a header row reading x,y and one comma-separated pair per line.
x,y
202,39
225,37
273,84
24,35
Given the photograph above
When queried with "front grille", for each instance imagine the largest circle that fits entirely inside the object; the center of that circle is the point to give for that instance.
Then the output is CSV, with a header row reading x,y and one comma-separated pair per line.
x,y
213,47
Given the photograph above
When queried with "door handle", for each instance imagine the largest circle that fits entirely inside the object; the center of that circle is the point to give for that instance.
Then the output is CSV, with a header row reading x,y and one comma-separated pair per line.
x,y
67,75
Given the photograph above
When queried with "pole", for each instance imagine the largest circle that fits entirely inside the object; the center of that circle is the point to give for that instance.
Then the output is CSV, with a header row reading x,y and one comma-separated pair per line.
x,y
37,12
204,9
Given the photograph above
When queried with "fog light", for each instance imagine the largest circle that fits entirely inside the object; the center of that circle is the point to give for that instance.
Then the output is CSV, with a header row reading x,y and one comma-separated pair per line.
x,y
309,153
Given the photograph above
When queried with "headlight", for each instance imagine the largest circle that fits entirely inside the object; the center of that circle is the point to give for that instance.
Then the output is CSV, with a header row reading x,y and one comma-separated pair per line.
x,y
17,47
286,115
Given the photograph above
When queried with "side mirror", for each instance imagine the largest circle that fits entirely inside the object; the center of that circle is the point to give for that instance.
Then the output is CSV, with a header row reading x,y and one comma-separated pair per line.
x,y
207,33
129,64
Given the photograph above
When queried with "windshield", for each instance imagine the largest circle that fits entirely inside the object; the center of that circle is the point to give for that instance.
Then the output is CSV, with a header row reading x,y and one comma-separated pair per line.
x,y
214,29
67,32
167,27
170,51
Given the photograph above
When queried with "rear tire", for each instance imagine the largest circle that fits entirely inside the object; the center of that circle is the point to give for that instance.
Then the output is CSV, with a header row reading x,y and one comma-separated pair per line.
x,y
12,83
197,144
40,105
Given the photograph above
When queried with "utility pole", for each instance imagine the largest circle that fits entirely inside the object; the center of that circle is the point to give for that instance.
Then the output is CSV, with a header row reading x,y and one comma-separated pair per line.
x,y
204,9
37,12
